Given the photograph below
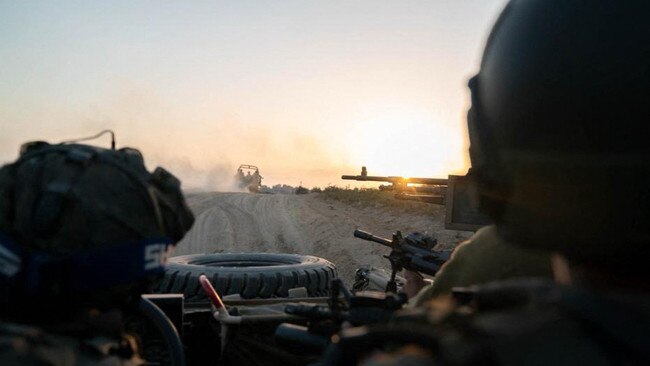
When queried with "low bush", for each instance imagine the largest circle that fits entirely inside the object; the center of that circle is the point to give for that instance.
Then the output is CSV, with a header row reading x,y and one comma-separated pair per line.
x,y
301,190
371,197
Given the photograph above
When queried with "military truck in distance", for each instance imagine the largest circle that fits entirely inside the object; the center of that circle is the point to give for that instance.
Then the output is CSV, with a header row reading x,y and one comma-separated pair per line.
x,y
248,177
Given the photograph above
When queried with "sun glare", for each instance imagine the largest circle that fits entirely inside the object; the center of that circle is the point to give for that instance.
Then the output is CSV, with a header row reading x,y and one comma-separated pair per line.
x,y
402,142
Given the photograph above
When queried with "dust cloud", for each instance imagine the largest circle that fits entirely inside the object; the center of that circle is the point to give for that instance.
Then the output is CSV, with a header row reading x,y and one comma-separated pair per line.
x,y
202,139
220,177
210,160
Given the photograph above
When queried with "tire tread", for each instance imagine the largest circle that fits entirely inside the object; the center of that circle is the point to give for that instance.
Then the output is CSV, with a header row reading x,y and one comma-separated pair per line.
x,y
183,277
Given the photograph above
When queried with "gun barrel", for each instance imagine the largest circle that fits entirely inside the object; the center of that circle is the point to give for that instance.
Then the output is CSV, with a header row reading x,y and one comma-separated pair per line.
x,y
297,335
368,236
371,178
428,181
398,180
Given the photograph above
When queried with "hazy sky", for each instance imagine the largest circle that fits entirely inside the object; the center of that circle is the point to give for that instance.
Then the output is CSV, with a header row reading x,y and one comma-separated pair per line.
x,y
307,90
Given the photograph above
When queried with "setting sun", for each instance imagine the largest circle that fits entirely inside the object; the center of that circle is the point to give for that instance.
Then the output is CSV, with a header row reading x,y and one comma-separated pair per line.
x,y
305,91
406,141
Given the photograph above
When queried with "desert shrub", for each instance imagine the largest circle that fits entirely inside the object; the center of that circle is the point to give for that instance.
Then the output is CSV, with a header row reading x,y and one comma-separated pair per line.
x,y
316,190
372,197
301,190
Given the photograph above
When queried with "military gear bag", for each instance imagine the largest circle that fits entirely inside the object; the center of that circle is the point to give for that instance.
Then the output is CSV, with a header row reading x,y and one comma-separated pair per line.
x,y
79,220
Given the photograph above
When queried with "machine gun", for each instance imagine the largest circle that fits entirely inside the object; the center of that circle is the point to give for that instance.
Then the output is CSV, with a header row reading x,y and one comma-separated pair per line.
x,y
429,190
413,252
323,321
456,193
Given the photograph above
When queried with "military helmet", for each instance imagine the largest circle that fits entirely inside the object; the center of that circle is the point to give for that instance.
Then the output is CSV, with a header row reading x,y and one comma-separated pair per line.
x,y
560,128
84,226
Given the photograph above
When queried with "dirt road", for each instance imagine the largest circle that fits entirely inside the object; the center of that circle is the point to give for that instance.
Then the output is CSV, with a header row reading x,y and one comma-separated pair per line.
x,y
302,224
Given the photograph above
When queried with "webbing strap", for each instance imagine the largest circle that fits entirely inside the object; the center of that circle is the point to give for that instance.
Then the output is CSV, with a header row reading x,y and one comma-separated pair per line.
x,y
10,260
83,271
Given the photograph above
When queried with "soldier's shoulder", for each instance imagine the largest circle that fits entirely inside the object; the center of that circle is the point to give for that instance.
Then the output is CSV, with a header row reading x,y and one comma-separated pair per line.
x,y
485,243
493,258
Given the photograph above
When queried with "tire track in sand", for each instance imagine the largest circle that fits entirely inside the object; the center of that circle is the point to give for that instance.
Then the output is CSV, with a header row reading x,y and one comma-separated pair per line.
x,y
241,222
301,224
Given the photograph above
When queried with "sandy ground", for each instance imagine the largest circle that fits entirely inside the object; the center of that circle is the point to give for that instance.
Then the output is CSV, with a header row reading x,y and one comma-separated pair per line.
x,y
301,224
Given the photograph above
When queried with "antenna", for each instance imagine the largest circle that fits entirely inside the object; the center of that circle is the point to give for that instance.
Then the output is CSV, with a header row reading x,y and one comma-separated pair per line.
x,y
94,137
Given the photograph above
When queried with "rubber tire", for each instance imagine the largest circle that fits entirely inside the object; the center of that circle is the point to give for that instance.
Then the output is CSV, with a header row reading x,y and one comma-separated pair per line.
x,y
251,275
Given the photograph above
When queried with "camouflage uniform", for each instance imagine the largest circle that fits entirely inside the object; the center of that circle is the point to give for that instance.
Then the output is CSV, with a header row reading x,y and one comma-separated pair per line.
x,y
485,257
